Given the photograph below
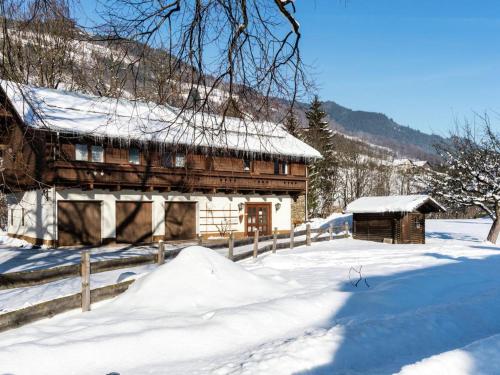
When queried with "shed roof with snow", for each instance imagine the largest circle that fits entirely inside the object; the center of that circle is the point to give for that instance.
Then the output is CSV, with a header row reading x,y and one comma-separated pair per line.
x,y
131,120
395,203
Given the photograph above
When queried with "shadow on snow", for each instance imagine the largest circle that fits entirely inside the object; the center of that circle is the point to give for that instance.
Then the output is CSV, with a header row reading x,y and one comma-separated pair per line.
x,y
405,317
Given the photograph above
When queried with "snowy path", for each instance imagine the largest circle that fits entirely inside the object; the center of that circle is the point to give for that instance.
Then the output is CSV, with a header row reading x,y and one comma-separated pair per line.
x,y
16,257
291,312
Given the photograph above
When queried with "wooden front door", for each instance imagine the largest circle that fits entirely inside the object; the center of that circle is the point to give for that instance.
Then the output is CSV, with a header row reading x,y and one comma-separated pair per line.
x,y
258,216
180,221
134,222
78,223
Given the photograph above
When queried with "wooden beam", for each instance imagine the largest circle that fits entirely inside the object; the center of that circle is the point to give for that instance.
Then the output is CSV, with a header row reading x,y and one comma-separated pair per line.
x,y
5,113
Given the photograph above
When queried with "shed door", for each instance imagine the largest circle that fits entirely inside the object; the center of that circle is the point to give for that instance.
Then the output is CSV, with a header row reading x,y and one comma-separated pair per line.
x,y
79,223
134,222
416,223
180,220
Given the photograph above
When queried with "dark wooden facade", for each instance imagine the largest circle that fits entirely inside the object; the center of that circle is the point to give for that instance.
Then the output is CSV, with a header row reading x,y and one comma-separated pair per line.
x,y
34,158
397,227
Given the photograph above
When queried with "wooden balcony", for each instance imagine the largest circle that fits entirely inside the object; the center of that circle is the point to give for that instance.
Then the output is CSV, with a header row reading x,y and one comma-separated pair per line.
x,y
115,176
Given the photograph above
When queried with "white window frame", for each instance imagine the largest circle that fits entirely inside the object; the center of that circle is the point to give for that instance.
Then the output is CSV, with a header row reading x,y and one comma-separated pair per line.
x,y
284,167
81,152
99,149
180,161
138,154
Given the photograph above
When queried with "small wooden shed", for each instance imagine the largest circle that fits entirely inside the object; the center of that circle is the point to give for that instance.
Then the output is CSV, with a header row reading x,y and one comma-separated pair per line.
x,y
396,219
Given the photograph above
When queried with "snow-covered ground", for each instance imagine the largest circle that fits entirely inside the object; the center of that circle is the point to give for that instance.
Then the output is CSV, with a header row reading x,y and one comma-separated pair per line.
x,y
17,255
17,298
425,309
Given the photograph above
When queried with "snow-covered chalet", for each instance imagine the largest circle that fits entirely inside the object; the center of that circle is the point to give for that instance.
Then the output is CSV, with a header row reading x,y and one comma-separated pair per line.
x,y
80,169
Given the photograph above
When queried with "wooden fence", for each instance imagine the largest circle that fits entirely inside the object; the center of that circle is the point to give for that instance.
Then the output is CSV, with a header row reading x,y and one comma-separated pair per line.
x,y
83,299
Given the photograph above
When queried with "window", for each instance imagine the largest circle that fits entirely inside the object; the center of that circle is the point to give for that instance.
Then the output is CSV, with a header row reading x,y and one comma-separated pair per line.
x,y
276,167
180,161
12,216
22,217
98,154
168,161
134,157
247,164
280,167
284,167
82,152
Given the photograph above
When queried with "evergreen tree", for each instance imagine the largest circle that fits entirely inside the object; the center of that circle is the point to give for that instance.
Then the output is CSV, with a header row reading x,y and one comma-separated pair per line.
x,y
323,174
293,126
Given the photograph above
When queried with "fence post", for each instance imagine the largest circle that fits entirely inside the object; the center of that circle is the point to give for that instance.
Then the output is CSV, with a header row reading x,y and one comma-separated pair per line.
x,y
308,234
256,243
346,228
161,253
292,237
199,239
330,231
230,246
85,271
275,237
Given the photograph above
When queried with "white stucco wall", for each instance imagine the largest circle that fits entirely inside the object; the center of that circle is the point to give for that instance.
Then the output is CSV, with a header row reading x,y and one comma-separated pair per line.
x,y
39,210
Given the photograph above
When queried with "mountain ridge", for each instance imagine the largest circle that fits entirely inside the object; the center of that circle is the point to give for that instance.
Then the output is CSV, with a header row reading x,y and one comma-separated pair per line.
x,y
375,128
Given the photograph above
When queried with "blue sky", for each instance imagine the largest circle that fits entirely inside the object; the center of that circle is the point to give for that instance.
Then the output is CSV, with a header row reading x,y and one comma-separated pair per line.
x,y
424,63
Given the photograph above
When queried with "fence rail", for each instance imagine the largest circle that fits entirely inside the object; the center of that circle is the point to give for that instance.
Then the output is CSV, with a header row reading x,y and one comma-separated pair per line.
x,y
47,309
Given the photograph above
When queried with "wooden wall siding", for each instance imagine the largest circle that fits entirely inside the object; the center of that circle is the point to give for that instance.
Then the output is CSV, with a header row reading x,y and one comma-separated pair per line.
x,y
263,167
297,169
66,150
99,174
115,155
417,228
134,222
402,228
23,156
226,164
197,162
375,227
78,223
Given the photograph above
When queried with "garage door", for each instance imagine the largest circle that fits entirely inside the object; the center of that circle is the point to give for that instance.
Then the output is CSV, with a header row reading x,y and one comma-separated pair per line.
x,y
180,220
79,223
134,222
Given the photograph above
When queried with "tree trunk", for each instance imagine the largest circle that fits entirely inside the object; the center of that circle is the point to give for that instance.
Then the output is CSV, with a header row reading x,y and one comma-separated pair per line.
x,y
495,227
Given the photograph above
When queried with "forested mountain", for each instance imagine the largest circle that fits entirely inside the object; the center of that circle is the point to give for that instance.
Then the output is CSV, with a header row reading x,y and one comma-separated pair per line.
x,y
379,129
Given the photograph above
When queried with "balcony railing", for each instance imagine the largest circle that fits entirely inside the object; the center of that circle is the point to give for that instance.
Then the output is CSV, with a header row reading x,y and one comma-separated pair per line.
x,y
106,174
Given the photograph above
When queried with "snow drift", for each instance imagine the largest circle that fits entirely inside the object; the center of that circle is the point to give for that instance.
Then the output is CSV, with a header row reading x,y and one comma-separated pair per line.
x,y
197,279
181,314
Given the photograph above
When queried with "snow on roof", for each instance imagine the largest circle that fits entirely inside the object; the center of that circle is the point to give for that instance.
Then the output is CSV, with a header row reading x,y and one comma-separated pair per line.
x,y
393,203
73,112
